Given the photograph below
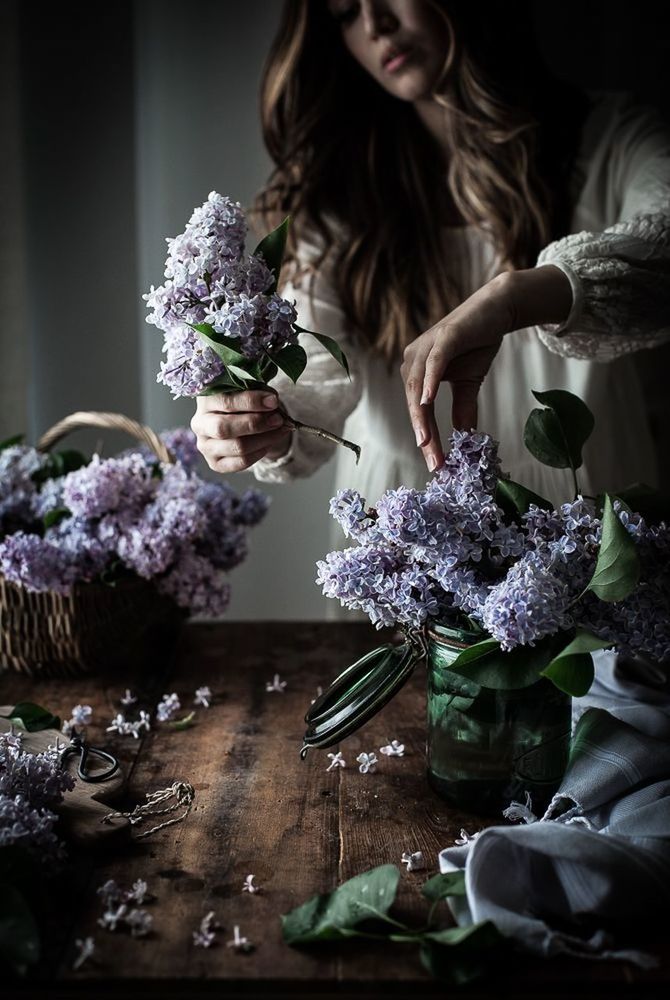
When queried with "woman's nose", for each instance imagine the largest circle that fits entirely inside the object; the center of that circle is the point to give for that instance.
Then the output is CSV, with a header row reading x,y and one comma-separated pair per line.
x,y
378,18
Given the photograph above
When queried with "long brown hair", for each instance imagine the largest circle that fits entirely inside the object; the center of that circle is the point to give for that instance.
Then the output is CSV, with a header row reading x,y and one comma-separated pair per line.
x,y
357,169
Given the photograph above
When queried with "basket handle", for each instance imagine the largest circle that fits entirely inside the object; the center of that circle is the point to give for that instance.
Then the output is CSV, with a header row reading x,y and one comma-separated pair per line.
x,y
115,421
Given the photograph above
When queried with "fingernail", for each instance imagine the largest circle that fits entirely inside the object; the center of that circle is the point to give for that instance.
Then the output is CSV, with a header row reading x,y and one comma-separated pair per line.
x,y
432,463
276,420
269,401
425,398
418,433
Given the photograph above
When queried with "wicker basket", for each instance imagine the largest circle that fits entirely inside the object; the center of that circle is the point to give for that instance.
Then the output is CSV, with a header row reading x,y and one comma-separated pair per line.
x,y
96,627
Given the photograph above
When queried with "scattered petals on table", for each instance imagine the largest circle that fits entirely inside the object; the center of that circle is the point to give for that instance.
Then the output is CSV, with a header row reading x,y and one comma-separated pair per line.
x,y
394,749
249,885
276,684
367,762
204,937
85,949
167,706
465,838
239,943
336,760
128,698
413,860
203,696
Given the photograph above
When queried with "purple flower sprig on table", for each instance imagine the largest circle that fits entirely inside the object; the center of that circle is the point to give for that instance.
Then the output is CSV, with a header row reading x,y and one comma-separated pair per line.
x,y
225,326
31,786
127,516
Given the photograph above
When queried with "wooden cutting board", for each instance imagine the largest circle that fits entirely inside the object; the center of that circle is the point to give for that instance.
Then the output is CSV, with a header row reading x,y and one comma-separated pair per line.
x,y
82,810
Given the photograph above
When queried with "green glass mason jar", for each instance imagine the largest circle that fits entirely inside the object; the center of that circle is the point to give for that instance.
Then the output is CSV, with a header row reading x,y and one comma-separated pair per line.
x,y
485,747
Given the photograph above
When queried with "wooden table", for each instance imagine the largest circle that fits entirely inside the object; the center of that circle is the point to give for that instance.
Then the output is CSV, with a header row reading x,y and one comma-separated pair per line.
x,y
260,810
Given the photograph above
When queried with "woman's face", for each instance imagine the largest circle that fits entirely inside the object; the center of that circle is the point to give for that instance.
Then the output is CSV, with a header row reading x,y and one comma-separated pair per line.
x,y
402,44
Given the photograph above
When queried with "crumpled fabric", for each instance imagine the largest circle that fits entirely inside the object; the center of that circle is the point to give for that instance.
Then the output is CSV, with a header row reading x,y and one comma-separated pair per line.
x,y
598,862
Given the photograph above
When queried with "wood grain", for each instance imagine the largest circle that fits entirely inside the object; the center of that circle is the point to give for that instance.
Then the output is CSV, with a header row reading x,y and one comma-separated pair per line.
x,y
260,810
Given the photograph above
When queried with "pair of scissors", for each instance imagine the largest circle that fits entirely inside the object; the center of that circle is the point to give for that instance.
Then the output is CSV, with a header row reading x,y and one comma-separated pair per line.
x,y
78,745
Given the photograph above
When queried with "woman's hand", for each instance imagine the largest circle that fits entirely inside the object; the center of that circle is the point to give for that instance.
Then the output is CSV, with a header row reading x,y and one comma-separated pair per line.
x,y
237,429
461,347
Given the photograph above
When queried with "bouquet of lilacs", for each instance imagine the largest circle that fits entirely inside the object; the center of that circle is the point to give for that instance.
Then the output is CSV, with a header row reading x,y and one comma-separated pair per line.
x,y
64,521
544,586
225,326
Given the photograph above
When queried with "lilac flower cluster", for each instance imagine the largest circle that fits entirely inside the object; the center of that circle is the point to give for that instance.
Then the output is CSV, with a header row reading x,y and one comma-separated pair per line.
x,y
210,279
133,515
449,550
31,786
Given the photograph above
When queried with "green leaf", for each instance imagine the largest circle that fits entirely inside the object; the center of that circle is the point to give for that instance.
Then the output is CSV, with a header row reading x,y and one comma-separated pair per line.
x,y
460,954
572,670
331,346
225,347
335,914
271,248
268,369
556,435
515,499
650,503
32,717
488,665
292,360
11,441
441,886
184,723
59,463
19,935
55,516
618,566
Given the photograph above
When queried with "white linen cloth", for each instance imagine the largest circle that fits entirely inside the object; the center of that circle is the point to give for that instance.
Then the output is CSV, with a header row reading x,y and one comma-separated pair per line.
x,y
617,259
600,856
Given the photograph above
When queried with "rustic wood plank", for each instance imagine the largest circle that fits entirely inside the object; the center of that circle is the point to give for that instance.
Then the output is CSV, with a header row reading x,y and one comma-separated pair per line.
x,y
260,810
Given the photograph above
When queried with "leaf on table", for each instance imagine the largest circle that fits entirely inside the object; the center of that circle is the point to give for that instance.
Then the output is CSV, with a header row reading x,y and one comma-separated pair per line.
x,y
460,954
32,717
184,723
442,886
335,914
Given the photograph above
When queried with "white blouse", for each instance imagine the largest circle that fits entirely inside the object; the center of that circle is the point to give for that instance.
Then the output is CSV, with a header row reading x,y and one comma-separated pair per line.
x,y
617,260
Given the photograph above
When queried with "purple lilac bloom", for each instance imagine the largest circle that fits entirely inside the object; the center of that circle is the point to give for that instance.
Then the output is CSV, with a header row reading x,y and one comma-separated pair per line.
x,y
36,563
388,589
18,464
251,507
211,279
182,442
532,601
196,585
24,826
348,509
104,486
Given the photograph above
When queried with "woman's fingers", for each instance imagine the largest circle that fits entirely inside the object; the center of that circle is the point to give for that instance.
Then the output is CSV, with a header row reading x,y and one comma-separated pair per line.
x,y
432,451
412,371
241,453
238,402
224,426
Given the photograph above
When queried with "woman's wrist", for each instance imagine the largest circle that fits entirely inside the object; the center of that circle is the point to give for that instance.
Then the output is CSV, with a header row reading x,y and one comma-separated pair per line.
x,y
538,296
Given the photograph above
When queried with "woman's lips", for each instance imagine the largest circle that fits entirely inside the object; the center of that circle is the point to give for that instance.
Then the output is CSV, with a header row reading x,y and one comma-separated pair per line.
x,y
396,61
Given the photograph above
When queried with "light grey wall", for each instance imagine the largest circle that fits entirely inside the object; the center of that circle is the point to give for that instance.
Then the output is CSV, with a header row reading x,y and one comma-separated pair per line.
x,y
197,130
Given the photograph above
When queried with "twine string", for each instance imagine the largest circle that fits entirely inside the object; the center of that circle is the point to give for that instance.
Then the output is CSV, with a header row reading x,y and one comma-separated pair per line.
x,y
183,794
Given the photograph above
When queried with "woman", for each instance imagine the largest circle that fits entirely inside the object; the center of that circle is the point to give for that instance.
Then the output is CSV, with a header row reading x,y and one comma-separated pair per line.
x,y
439,180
